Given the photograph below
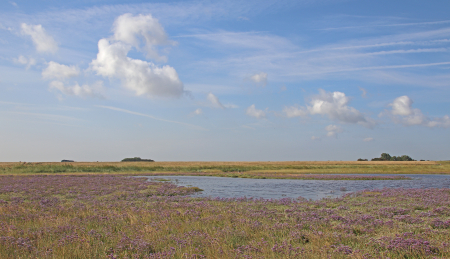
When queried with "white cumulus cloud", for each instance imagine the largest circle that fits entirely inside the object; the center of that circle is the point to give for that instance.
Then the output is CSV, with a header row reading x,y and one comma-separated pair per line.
x,y
28,62
293,111
402,106
315,138
214,101
439,122
59,71
142,77
83,91
252,111
260,78
132,29
40,38
402,112
334,105
368,139
333,130
198,111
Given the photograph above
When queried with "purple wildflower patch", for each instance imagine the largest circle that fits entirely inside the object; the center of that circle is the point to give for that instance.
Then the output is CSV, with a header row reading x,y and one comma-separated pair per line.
x,y
124,217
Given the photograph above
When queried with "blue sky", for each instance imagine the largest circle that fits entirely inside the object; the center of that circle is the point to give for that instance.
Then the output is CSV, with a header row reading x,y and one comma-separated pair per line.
x,y
224,80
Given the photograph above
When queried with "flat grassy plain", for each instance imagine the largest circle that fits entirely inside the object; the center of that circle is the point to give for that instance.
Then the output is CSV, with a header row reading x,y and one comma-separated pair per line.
x,y
90,210
105,216
229,169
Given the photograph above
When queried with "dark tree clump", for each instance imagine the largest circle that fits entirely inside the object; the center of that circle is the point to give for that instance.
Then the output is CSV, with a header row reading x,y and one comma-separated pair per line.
x,y
387,157
137,159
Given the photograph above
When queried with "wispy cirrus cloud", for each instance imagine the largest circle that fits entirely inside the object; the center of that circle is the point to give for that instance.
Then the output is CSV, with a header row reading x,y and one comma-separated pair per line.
x,y
45,116
350,59
174,13
388,25
149,116
244,40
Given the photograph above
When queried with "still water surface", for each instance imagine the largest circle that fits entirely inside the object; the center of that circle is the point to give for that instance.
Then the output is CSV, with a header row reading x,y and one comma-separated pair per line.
x,y
226,187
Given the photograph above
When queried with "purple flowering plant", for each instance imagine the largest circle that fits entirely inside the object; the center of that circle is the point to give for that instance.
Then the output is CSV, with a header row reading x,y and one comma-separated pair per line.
x,y
104,216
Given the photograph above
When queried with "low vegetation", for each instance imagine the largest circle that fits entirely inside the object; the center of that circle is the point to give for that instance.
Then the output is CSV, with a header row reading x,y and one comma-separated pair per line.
x,y
121,217
230,169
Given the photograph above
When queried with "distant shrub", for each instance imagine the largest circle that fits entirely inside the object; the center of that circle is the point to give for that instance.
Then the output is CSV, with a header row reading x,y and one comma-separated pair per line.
x,y
137,159
362,159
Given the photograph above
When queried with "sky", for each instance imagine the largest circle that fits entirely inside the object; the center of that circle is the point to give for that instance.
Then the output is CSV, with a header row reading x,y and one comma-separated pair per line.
x,y
266,80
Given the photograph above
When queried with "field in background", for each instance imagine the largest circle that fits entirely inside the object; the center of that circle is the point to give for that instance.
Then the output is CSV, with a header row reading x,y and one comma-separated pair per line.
x,y
290,169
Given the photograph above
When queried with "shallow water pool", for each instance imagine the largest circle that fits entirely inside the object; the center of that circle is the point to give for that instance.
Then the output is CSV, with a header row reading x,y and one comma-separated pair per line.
x,y
226,187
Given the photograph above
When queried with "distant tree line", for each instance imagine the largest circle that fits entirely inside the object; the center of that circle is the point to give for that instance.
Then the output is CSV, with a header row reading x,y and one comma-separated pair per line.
x,y
387,157
137,159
